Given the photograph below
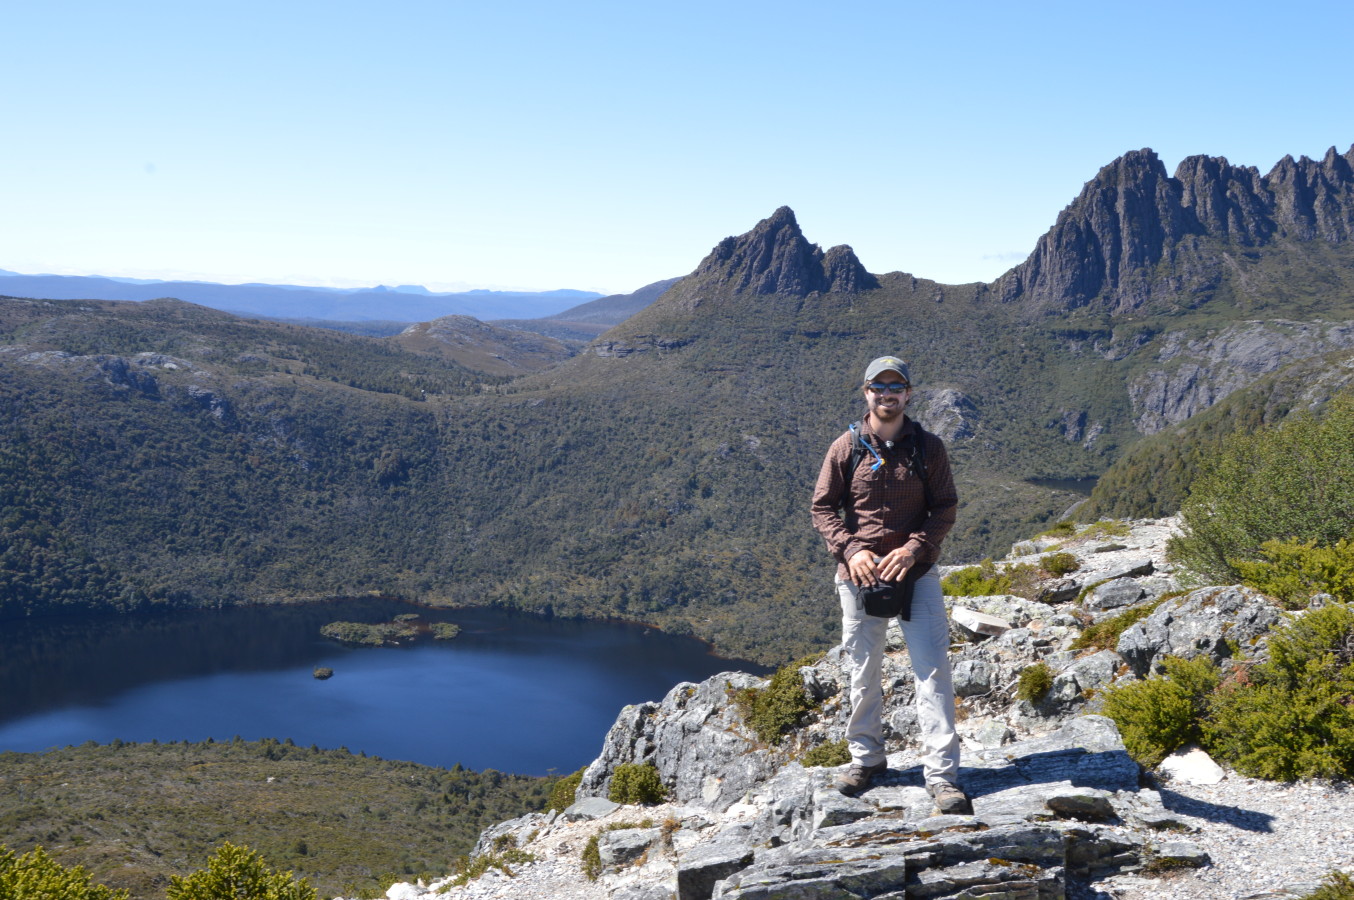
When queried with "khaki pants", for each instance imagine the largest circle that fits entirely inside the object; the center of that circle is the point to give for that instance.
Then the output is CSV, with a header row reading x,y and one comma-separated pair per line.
x,y
928,643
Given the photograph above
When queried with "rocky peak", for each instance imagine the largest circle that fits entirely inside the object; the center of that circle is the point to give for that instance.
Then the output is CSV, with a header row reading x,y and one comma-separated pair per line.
x,y
1226,200
1314,200
1122,222
775,258
1105,247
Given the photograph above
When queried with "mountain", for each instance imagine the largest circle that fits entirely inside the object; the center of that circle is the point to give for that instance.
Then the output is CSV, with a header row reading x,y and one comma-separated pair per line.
x,y
163,453
1138,241
407,303
587,320
482,347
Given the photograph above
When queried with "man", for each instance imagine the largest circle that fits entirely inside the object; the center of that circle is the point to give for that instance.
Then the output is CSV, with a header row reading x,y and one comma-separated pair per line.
x,y
882,524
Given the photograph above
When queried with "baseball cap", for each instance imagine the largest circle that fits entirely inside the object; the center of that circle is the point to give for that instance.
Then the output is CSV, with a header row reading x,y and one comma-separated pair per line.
x,y
887,364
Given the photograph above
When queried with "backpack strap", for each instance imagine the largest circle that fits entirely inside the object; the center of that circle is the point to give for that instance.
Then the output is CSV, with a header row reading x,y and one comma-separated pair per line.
x,y
919,462
860,449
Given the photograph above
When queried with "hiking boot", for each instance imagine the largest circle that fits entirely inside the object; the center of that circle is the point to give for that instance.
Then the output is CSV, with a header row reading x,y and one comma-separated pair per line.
x,y
950,800
857,778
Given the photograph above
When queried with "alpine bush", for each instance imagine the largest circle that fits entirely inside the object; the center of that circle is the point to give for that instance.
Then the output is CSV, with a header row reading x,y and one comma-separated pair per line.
x,y
1290,483
1035,681
1059,564
833,753
1336,886
777,709
982,580
592,857
1160,715
1105,635
1293,571
36,876
987,580
1293,715
636,783
564,792
238,873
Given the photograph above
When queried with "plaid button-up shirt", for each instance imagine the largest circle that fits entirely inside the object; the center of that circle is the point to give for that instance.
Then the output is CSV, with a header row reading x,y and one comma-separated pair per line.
x,y
888,504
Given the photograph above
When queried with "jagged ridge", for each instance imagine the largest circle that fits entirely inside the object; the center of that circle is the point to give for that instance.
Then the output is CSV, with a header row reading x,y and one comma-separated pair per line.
x,y
1105,247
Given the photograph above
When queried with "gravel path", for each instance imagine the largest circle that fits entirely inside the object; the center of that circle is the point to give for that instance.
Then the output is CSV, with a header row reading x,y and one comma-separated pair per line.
x,y
1266,840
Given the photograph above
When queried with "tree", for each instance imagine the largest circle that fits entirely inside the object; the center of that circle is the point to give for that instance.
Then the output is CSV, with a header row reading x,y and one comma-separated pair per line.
x,y
36,876
238,873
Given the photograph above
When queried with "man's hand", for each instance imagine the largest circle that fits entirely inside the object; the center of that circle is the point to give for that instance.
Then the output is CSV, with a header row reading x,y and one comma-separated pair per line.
x,y
861,568
895,564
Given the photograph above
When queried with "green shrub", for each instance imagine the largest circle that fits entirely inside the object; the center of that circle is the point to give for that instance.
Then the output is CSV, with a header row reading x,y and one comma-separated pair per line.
x,y
777,709
238,873
637,783
982,580
1059,564
833,753
1035,681
1292,717
592,858
1294,482
1292,571
36,876
1337,886
987,580
1062,529
564,792
1159,715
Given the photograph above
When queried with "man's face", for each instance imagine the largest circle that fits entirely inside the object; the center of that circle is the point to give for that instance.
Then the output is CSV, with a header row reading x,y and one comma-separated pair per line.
x,y
884,399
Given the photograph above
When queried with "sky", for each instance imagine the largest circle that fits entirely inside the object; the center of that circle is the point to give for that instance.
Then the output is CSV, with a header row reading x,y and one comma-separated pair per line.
x,y
606,145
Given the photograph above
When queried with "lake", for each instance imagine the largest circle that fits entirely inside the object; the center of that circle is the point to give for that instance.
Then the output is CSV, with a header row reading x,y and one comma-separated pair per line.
x,y
513,692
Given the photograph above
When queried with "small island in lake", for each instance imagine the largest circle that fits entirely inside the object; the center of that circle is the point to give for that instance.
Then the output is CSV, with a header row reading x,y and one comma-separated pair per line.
x,y
379,634
323,672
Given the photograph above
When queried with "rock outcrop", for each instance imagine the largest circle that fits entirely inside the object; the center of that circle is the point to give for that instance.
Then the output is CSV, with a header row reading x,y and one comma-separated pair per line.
x,y
774,258
1134,236
1058,803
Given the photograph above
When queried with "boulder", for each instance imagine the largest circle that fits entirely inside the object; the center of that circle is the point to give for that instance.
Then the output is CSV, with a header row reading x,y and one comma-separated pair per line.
x,y
625,845
1114,595
695,738
1213,622
587,808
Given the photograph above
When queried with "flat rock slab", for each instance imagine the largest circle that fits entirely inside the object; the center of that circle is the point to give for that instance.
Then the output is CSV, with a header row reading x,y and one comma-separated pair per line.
x,y
978,623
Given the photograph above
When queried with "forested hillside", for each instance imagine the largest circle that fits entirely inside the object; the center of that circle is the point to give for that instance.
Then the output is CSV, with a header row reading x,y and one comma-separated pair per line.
x,y
161,453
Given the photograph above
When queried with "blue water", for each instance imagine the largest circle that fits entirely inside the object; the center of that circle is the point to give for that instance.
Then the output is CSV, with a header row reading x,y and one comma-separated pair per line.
x,y
513,692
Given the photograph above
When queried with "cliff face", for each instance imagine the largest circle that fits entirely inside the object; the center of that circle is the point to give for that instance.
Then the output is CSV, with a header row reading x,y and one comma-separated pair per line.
x,y
1136,237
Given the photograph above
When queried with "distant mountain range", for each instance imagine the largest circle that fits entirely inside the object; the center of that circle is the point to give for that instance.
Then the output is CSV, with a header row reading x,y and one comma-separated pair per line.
x,y
165,454
587,320
406,303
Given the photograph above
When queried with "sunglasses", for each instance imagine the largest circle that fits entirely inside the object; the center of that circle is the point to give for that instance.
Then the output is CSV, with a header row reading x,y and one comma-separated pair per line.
x,y
893,387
